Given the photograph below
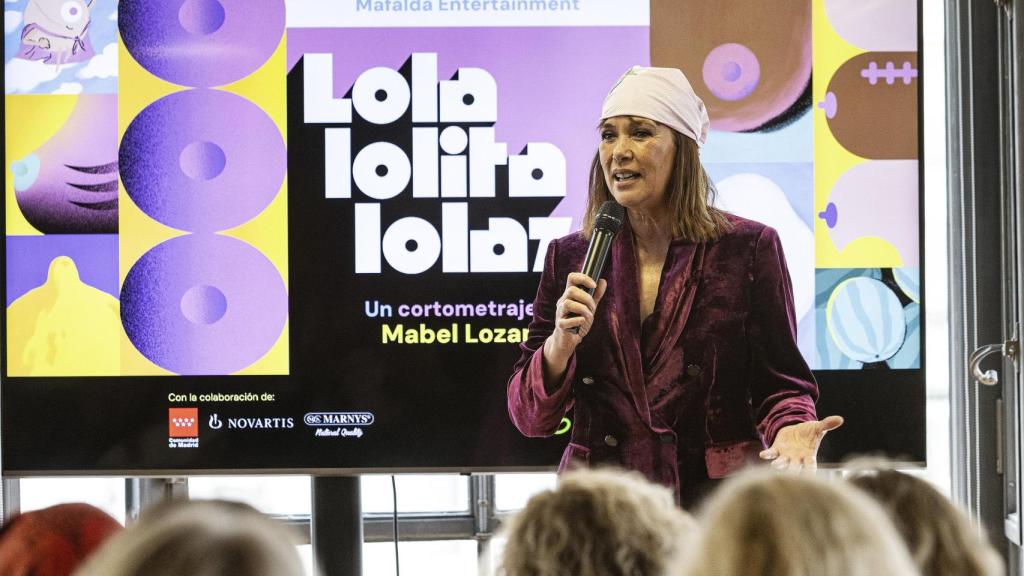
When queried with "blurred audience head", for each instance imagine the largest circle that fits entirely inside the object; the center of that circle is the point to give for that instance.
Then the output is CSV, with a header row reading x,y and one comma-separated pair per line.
x,y
600,522
939,535
199,538
763,522
53,541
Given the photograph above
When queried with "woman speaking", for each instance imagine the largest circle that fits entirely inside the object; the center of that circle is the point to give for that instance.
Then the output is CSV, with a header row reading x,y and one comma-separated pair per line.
x,y
683,363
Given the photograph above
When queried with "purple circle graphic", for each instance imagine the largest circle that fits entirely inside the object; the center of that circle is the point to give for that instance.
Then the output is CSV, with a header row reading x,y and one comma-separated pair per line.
x,y
203,304
201,17
830,105
201,43
185,163
731,71
202,160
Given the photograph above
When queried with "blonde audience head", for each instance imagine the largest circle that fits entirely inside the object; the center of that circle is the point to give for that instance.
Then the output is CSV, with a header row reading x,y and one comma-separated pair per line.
x,y
199,538
765,523
938,534
596,523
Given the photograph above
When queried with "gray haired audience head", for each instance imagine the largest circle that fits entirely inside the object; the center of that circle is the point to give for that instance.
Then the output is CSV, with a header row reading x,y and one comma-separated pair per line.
x,y
939,535
199,538
771,524
597,523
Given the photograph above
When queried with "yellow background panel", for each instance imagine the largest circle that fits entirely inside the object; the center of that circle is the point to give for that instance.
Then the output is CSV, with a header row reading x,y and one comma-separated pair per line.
x,y
63,328
832,160
267,87
29,121
267,232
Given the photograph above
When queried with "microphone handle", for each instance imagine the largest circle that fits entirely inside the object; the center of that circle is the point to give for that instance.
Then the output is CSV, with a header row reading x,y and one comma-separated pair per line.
x,y
597,254
593,263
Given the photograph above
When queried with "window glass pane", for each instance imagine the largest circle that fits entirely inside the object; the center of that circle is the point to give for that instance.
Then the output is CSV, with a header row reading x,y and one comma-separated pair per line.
x,y
439,557
936,213
491,557
107,494
285,495
511,491
416,493
433,558
938,470
306,554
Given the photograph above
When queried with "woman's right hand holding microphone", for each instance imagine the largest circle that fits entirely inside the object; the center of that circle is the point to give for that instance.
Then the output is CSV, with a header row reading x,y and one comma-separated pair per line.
x,y
574,316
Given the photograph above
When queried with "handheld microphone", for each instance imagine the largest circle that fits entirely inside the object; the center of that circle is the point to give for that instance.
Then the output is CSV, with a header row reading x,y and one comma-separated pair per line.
x,y
606,226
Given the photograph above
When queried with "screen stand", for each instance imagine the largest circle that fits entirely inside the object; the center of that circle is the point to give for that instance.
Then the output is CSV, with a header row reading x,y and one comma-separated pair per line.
x,y
337,525
10,495
141,494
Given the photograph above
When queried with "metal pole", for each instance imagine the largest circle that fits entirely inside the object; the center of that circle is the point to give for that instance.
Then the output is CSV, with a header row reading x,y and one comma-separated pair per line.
x,y
481,492
11,500
484,510
144,493
337,525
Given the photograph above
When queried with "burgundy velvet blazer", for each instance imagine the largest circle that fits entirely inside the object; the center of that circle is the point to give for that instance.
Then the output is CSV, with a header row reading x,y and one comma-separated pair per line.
x,y
714,370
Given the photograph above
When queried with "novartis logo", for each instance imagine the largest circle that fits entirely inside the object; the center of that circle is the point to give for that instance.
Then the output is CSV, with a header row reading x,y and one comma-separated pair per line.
x,y
250,423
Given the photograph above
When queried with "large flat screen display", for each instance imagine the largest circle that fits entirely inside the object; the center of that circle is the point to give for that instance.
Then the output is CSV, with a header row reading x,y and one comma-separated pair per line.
x,y
305,236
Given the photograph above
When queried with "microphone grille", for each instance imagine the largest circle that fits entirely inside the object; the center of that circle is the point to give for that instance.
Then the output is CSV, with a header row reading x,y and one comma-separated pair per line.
x,y
609,217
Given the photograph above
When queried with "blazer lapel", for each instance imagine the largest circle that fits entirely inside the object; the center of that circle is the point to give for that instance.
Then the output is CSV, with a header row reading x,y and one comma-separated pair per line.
x,y
676,295
625,318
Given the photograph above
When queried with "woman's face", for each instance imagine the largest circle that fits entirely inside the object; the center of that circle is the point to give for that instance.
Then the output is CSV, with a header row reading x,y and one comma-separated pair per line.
x,y
637,155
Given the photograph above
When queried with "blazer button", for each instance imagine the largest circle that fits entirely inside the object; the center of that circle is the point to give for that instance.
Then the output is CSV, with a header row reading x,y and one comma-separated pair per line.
x,y
611,441
667,438
588,380
693,370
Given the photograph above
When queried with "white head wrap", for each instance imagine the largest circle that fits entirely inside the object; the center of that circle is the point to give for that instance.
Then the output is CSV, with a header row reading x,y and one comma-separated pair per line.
x,y
660,94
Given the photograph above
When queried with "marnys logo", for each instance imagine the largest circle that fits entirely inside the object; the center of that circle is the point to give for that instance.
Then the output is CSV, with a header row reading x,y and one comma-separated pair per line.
x,y
330,424
183,427
338,419
262,423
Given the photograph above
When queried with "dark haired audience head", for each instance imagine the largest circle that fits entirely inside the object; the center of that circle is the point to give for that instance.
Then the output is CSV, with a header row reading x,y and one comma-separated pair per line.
x,y
597,523
53,541
765,523
938,534
199,538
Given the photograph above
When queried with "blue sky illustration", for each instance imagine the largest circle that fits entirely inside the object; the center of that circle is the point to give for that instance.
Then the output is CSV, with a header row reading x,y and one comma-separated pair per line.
x,y
97,75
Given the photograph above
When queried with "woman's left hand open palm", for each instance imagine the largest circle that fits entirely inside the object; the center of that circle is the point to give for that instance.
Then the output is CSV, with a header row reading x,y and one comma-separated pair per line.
x,y
796,445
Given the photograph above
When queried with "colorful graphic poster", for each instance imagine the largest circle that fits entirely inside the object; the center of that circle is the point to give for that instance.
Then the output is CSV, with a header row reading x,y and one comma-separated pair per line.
x,y
434,170
60,47
306,236
867,185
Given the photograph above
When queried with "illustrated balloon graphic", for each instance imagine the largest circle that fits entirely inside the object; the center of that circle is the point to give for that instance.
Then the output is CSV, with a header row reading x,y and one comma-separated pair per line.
x,y
865,320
